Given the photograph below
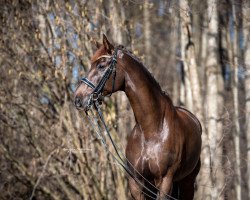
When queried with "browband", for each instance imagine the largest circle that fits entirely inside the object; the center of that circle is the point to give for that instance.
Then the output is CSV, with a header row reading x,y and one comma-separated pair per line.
x,y
104,56
88,82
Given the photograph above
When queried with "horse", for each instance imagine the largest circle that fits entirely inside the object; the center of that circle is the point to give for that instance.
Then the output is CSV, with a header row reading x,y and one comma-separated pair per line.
x,y
165,143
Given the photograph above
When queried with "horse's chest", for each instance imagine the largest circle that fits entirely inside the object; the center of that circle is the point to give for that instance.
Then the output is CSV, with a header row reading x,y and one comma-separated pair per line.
x,y
152,156
152,159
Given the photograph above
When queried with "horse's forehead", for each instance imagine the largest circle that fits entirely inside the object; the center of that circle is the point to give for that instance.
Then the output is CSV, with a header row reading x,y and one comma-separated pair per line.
x,y
100,52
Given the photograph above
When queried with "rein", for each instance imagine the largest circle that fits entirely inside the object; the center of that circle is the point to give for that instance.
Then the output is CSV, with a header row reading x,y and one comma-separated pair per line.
x,y
123,163
118,159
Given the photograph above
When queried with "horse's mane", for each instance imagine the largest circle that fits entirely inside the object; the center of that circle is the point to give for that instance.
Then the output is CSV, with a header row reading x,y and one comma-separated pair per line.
x,y
132,55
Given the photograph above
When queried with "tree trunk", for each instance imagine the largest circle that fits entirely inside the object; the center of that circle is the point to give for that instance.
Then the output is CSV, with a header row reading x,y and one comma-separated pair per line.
x,y
193,93
185,47
235,85
246,29
212,97
147,33
186,90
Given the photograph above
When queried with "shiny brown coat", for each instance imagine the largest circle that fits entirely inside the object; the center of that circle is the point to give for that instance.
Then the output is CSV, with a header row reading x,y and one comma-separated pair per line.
x,y
165,144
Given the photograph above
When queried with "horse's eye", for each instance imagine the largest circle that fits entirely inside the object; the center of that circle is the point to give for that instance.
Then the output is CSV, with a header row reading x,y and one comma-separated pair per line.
x,y
100,66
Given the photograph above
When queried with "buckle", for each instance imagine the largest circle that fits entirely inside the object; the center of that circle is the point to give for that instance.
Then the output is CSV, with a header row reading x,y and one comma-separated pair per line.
x,y
95,96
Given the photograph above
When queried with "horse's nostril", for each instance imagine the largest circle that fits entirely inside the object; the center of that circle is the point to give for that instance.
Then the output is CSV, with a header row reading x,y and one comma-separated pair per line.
x,y
78,102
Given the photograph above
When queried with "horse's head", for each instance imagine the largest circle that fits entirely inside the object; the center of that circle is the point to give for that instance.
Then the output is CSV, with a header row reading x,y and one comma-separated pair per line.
x,y
105,76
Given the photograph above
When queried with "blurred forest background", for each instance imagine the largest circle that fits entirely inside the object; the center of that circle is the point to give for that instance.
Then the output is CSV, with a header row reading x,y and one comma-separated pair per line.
x,y
199,52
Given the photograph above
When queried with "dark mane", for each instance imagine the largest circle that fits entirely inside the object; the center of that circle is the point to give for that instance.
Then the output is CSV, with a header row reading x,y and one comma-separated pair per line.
x,y
130,53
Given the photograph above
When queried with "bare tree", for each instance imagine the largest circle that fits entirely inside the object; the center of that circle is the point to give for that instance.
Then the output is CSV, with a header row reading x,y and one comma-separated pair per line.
x,y
246,31
213,100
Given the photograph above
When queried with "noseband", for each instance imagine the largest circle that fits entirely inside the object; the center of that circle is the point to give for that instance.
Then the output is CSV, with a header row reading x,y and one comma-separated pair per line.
x,y
97,90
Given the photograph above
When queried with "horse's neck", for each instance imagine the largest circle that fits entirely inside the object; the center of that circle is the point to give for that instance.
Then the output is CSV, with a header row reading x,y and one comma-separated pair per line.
x,y
146,98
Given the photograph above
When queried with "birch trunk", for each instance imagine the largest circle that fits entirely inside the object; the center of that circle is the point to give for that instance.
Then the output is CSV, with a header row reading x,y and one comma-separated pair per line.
x,y
212,73
185,44
220,182
147,32
193,93
177,99
235,63
246,29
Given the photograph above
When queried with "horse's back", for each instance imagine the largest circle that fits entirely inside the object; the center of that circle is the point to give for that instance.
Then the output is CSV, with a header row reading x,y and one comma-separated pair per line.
x,y
189,118
190,128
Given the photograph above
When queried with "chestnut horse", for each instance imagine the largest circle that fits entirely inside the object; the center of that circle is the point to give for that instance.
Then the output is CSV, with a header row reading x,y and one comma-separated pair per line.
x,y
165,144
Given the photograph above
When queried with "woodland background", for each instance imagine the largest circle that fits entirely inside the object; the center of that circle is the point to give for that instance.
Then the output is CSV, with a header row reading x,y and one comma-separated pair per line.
x,y
199,52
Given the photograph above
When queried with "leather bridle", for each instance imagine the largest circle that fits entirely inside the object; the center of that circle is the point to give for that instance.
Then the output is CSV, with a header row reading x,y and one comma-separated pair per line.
x,y
97,94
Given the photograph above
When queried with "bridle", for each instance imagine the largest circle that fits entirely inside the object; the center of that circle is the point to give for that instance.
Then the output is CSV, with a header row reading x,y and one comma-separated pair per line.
x,y
97,94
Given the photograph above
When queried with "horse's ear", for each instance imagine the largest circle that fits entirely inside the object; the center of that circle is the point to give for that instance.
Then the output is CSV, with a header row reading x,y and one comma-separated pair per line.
x,y
108,46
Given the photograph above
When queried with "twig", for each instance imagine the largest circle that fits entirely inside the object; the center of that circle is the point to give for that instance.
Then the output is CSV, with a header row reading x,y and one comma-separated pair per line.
x,y
41,175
